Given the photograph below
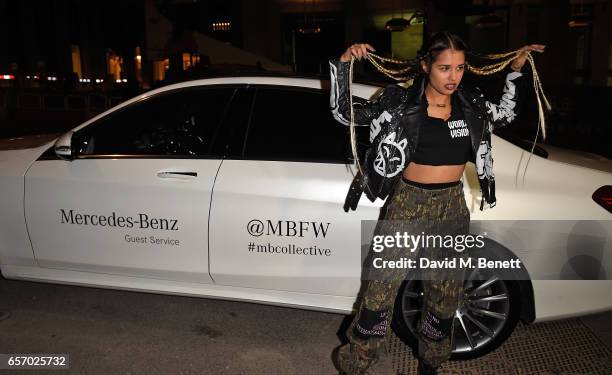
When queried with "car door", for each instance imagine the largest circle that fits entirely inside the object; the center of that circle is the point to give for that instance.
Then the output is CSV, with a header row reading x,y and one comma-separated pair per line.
x,y
135,201
277,220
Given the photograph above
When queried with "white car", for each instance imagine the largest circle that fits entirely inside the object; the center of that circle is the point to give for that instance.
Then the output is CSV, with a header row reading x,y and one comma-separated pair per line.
x,y
233,188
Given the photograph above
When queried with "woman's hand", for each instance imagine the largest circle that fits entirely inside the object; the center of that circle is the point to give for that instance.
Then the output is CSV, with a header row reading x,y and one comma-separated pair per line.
x,y
521,57
357,50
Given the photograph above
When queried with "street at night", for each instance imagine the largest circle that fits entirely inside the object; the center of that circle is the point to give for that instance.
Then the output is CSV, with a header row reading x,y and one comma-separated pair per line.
x,y
306,187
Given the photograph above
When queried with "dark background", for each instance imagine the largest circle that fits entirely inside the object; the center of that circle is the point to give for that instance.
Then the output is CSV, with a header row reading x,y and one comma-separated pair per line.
x,y
53,51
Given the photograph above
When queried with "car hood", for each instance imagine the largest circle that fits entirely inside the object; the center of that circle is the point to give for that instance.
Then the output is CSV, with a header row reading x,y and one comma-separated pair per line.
x,y
29,141
579,158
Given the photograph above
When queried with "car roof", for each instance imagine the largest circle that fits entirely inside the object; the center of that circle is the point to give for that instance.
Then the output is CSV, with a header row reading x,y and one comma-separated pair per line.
x,y
312,81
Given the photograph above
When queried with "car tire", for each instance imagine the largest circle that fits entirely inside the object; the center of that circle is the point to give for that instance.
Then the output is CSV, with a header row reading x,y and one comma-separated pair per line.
x,y
482,319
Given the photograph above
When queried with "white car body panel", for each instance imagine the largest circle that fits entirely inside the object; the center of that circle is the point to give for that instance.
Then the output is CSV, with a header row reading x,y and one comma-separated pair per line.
x,y
558,299
541,190
309,301
57,191
286,192
15,247
246,190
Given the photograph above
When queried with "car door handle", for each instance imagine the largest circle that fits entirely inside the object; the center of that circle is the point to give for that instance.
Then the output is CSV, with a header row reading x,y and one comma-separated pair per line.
x,y
178,175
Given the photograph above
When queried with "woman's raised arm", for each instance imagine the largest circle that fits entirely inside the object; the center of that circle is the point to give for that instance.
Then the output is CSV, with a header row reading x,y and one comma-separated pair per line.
x,y
364,111
504,112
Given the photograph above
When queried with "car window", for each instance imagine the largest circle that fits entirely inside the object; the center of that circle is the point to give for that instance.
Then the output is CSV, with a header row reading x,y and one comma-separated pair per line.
x,y
235,124
181,123
295,124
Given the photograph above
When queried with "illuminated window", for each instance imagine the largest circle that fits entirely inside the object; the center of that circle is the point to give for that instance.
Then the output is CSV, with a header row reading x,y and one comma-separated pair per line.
x,y
138,64
76,60
404,44
222,26
114,64
159,69
190,60
186,60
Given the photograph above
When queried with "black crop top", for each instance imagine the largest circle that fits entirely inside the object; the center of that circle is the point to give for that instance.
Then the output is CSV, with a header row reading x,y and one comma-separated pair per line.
x,y
444,142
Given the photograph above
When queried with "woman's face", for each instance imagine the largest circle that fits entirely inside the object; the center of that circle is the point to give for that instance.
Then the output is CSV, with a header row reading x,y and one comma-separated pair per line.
x,y
446,71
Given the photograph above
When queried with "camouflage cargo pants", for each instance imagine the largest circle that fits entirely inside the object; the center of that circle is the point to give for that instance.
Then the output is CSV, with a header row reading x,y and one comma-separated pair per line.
x,y
411,209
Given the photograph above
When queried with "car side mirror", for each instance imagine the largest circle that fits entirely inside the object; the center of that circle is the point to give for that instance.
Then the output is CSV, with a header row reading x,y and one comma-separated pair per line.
x,y
63,146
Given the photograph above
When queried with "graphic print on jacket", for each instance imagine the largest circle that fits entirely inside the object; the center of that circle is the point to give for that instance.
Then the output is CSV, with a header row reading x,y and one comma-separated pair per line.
x,y
504,111
390,158
485,167
377,124
335,98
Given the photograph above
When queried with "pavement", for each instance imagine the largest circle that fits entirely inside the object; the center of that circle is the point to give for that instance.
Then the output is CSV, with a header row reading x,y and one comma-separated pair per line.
x,y
121,332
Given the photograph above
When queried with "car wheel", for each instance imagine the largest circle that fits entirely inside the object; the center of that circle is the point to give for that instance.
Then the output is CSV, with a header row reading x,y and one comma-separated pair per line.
x,y
487,315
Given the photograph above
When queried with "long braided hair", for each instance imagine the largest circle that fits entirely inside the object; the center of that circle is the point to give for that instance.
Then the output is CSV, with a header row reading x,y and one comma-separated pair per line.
x,y
408,70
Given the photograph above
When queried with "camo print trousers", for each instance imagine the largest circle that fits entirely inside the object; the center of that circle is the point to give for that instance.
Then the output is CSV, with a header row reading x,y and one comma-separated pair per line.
x,y
417,210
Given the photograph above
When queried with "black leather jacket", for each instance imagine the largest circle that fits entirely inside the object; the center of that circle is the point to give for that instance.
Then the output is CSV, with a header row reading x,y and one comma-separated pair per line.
x,y
394,118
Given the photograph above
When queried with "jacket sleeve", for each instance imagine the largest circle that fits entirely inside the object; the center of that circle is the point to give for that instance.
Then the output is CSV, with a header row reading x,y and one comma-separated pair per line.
x,y
506,111
364,111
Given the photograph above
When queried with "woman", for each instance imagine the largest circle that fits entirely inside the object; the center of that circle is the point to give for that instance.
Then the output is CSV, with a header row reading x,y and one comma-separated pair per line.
x,y
434,128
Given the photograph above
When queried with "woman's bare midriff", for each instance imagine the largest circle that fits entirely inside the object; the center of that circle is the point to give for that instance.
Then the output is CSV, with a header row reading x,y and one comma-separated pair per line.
x,y
430,174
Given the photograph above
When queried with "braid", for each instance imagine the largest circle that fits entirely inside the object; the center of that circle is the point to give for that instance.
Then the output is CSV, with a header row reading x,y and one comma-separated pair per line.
x,y
407,69
506,59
